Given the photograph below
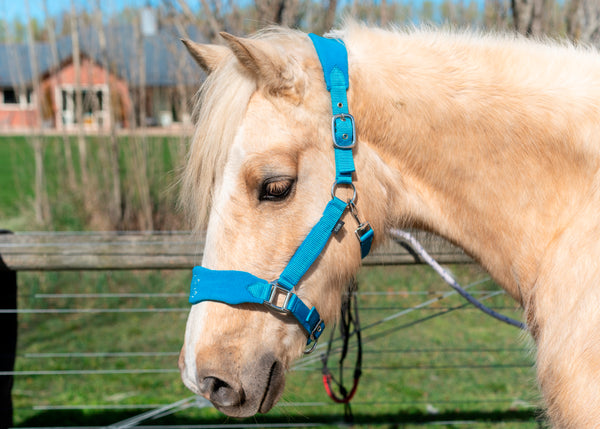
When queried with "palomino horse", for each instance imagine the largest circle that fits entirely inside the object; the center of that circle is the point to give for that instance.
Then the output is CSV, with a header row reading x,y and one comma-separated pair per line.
x,y
492,142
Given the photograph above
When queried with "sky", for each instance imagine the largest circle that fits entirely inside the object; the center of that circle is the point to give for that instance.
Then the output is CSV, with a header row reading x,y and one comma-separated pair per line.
x,y
17,9
11,9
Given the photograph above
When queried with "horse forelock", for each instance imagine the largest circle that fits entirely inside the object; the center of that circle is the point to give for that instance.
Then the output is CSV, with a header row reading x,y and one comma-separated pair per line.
x,y
218,111
219,108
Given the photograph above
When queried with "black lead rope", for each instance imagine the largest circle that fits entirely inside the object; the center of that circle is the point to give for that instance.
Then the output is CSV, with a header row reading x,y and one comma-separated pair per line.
x,y
349,325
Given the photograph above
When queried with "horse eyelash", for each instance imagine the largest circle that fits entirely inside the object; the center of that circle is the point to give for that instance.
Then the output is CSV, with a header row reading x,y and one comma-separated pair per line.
x,y
265,195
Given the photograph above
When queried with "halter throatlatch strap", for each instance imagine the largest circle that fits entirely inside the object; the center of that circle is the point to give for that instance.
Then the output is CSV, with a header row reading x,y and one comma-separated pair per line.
x,y
238,287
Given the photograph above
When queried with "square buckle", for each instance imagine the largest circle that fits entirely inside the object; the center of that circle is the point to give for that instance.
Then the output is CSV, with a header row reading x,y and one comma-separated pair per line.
x,y
343,117
276,290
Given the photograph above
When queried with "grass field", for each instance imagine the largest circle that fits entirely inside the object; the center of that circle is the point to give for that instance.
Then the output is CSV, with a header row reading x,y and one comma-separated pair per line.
x,y
147,174
16,173
459,365
91,352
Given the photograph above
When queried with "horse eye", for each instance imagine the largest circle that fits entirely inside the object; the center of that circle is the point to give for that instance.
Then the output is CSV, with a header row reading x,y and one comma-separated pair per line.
x,y
276,189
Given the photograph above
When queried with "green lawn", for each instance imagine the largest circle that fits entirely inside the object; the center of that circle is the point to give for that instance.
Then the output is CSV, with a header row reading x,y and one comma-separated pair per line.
x,y
16,176
145,170
459,365
441,363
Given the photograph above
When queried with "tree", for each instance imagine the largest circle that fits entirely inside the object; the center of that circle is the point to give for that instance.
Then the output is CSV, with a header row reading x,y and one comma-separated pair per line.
x,y
530,17
3,31
428,11
19,31
583,21
284,12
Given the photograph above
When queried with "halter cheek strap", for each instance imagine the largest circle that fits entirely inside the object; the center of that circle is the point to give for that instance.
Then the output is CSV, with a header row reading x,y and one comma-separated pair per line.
x,y
238,287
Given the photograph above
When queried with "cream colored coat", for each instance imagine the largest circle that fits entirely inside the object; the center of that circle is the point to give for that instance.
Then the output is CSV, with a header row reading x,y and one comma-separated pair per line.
x,y
492,142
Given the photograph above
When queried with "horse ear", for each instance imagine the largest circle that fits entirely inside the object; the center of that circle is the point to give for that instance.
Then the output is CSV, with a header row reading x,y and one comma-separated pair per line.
x,y
277,73
207,56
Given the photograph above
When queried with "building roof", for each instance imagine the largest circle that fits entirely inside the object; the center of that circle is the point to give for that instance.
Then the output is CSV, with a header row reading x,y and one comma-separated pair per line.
x,y
166,61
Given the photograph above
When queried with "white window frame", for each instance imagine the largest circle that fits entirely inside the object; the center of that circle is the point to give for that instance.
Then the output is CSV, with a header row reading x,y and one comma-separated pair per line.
x,y
21,103
70,89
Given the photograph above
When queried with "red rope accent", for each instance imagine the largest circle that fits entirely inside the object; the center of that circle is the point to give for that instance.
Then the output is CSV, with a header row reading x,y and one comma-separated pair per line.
x,y
333,396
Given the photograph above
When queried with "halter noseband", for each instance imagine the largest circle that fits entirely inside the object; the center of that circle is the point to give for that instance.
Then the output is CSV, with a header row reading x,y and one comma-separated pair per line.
x,y
238,287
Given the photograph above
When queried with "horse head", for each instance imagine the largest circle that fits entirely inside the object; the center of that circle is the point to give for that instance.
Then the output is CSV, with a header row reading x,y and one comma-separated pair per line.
x,y
262,159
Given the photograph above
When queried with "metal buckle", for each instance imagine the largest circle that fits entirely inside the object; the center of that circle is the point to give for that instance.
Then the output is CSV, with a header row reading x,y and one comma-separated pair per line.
x,y
343,117
275,288
316,329
311,347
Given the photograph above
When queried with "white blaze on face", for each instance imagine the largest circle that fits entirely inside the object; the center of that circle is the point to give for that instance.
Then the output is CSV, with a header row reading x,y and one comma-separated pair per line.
x,y
193,331
197,316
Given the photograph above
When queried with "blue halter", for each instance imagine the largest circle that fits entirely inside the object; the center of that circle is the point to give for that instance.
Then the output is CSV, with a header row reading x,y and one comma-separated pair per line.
x,y
238,287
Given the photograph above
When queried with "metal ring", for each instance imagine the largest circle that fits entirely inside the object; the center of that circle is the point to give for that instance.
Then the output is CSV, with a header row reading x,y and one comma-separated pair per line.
x,y
335,185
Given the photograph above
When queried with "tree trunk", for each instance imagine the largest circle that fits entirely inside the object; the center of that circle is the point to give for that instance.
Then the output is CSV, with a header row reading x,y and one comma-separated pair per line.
x,y
282,12
330,15
530,16
85,178
140,149
112,149
383,13
42,206
57,83
583,21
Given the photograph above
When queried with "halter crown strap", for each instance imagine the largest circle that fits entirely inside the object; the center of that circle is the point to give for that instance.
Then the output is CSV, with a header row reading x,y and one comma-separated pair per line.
x,y
334,61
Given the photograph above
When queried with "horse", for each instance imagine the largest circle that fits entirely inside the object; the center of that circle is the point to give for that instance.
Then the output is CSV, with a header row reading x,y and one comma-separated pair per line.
x,y
490,141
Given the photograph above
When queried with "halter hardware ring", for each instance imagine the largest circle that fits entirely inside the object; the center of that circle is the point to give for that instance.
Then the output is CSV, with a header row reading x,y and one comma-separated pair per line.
x,y
334,188
343,117
313,335
310,348
313,338
276,288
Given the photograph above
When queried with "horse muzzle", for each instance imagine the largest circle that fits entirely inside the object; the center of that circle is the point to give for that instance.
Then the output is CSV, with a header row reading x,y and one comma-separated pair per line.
x,y
255,389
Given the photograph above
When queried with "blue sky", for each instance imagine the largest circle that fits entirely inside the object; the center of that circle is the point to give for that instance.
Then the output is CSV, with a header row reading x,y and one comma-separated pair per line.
x,y
11,9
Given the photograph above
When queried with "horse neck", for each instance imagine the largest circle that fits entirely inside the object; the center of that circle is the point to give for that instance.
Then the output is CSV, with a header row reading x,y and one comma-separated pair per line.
x,y
482,160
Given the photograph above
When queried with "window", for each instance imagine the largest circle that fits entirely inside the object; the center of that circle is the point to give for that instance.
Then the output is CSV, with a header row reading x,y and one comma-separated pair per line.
x,y
93,101
64,100
9,96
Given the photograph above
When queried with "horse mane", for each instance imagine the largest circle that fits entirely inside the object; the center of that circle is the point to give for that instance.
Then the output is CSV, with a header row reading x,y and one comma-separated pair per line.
x,y
221,102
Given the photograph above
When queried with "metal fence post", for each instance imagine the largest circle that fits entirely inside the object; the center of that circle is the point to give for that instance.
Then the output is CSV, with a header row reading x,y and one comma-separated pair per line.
x,y
8,339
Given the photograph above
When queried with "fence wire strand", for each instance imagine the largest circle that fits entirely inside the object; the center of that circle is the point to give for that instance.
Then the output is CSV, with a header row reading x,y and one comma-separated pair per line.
x,y
383,326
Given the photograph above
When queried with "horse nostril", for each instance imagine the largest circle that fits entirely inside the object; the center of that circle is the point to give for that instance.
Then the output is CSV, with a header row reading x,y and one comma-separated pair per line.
x,y
221,393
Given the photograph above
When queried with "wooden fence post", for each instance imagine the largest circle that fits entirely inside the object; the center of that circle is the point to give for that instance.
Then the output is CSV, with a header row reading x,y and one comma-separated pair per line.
x,y
8,339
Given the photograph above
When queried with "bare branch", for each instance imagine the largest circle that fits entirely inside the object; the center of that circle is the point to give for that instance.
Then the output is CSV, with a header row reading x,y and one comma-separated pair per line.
x,y
214,25
330,14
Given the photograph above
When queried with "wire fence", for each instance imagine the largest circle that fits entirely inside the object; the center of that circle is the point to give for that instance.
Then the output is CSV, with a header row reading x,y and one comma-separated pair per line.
x,y
100,349
388,353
